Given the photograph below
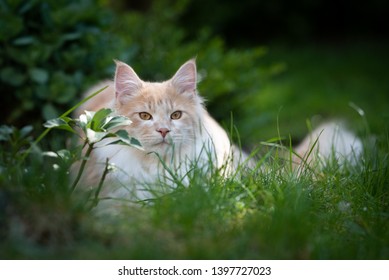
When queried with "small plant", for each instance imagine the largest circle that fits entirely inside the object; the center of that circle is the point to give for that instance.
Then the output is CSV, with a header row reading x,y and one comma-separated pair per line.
x,y
101,127
16,140
92,128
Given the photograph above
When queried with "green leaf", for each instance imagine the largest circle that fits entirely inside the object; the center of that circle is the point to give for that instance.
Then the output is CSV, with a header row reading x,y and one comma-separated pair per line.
x,y
12,76
59,123
95,136
66,95
6,132
71,36
49,111
64,154
39,75
99,118
89,115
116,121
24,131
53,123
50,154
22,41
126,139
135,143
84,119
10,26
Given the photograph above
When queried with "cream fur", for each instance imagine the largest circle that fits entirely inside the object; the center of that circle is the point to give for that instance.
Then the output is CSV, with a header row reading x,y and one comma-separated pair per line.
x,y
331,139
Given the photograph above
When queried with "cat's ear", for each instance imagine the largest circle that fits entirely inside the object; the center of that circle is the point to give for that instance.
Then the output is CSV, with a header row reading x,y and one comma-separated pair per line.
x,y
127,83
185,79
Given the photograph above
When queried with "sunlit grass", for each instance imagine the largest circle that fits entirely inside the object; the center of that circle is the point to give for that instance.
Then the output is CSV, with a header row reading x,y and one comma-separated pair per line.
x,y
318,82
270,213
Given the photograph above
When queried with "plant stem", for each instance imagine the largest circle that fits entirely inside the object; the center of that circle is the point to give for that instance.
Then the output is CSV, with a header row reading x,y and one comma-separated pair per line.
x,y
82,167
106,170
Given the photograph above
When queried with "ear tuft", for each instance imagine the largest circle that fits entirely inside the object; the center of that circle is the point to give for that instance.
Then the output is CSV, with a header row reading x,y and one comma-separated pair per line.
x,y
127,83
185,79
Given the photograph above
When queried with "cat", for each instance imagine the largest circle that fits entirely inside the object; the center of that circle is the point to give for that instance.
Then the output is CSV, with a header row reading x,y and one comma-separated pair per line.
x,y
175,130
172,125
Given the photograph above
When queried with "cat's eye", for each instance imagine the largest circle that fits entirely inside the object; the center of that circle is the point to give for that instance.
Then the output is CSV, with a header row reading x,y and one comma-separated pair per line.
x,y
176,115
145,116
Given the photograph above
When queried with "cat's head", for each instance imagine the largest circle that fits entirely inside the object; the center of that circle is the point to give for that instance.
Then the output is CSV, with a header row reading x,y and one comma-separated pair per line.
x,y
165,115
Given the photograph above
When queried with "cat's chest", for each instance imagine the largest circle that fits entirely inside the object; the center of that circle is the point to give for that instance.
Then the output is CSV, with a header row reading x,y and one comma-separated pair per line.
x,y
130,165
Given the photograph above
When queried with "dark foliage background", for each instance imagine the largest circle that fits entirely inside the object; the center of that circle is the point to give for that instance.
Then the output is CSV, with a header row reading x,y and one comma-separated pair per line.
x,y
252,22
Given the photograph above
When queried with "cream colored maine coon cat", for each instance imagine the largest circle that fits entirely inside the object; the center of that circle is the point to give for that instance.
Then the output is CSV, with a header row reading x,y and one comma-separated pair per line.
x,y
175,131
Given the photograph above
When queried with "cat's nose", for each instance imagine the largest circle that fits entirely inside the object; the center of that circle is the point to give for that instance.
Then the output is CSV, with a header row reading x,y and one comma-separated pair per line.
x,y
163,131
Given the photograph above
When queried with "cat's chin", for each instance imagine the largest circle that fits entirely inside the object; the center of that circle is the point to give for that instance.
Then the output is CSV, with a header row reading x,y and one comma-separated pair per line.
x,y
162,150
162,146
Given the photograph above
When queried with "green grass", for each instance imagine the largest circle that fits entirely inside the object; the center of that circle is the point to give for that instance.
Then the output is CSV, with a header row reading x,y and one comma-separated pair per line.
x,y
343,213
337,213
319,82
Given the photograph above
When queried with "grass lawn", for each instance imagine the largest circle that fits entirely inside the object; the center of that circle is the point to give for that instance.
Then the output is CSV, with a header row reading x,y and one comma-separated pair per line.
x,y
336,213
319,82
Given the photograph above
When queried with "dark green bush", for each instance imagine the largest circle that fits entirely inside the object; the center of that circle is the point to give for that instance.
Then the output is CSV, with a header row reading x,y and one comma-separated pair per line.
x,y
48,51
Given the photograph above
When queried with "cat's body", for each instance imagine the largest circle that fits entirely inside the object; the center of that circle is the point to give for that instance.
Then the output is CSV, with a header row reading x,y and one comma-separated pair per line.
x,y
175,131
